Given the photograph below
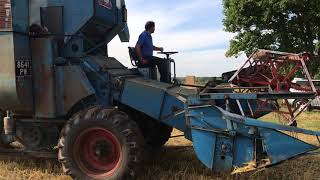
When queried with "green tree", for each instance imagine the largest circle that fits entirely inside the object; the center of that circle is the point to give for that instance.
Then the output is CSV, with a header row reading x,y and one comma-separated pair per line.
x,y
283,25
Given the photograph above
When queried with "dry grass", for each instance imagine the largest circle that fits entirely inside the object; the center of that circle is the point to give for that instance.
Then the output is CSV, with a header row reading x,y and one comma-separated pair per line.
x,y
178,161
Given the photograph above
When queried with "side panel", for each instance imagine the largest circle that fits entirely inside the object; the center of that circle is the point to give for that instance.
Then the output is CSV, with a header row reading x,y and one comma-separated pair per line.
x,y
105,11
156,100
8,91
76,15
15,58
35,6
244,150
143,98
20,15
23,66
22,56
43,76
52,19
72,85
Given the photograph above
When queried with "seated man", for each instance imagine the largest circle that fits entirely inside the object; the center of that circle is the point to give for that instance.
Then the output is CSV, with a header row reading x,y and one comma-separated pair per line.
x,y
145,48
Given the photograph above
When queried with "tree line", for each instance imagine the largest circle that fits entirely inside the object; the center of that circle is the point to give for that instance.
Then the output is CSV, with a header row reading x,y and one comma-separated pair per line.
x,y
280,25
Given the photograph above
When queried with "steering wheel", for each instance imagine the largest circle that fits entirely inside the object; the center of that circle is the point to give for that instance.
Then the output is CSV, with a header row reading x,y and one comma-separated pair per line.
x,y
168,53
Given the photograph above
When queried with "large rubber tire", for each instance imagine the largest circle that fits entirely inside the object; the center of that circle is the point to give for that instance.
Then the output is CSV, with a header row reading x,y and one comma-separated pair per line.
x,y
100,143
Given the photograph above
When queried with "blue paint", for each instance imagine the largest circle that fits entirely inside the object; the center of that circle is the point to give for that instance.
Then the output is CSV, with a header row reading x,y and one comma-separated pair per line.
x,y
241,139
222,140
178,122
204,145
171,105
280,146
262,124
76,15
20,15
223,156
146,99
208,145
243,150
210,117
106,15
227,96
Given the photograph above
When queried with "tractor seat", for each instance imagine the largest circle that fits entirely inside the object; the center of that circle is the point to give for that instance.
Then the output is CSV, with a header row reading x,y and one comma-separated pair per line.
x,y
135,61
147,72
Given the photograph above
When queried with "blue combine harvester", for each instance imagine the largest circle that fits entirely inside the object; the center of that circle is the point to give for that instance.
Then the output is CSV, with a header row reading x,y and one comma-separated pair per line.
x,y
61,95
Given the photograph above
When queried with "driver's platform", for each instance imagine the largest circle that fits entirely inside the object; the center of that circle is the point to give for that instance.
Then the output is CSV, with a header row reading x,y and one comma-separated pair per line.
x,y
152,72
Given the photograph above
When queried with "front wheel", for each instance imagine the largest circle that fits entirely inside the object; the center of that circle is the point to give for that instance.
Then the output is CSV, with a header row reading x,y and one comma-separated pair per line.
x,y
100,143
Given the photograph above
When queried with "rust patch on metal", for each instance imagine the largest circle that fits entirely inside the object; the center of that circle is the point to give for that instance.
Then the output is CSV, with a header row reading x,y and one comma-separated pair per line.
x,y
5,14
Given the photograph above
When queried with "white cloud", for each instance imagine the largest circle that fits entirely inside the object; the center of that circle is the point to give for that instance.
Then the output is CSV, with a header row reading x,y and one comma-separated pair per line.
x,y
200,63
193,39
206,63
202,49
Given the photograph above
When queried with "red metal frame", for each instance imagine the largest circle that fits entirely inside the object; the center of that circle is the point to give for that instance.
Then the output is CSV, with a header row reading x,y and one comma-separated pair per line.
x,y
265,68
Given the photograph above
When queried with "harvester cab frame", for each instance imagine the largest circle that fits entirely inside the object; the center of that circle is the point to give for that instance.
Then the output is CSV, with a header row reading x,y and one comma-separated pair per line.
x,y
62,96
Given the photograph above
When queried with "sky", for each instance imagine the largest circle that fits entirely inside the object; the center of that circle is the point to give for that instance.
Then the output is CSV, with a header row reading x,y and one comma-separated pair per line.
x,y
192,27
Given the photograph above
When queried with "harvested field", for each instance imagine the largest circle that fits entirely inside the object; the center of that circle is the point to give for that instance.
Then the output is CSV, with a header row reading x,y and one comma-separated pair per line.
x,y
177,161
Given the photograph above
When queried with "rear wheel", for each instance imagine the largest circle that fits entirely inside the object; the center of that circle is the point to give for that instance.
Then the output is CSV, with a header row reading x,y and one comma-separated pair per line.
x,y
100,143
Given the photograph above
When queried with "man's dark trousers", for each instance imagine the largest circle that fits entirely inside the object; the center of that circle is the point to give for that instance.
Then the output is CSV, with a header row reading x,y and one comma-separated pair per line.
x,y
163,66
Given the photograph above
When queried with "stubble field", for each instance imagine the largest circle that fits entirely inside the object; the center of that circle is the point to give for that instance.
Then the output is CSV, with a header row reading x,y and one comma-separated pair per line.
x,y
178,161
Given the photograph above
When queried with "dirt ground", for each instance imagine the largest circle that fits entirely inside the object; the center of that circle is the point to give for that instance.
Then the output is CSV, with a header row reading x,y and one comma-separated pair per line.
x,y
177,161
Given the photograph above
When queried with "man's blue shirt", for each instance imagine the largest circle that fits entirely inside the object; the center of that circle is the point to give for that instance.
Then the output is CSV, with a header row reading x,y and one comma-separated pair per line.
x,y
146,43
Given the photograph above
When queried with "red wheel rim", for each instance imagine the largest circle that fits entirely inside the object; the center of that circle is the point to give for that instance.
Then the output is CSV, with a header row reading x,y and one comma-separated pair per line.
x,y
97,152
